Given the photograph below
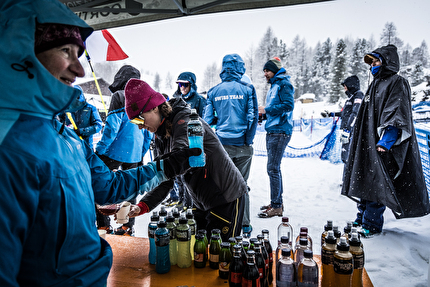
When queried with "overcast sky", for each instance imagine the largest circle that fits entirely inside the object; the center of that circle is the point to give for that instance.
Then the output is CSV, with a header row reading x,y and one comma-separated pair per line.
x,y
192,43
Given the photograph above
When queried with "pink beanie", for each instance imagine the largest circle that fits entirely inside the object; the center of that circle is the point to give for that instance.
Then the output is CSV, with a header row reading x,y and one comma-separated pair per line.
x,y
138,94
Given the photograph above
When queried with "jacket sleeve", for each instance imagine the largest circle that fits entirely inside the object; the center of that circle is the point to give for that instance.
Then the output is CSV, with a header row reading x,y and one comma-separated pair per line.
x,y
209,113
286,96
96,123
355,107
147,137
112,126
154,197
202,105
252,117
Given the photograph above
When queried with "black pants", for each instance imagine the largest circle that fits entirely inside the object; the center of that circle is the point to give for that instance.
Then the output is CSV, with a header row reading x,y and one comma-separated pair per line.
x,y
226,217
104,220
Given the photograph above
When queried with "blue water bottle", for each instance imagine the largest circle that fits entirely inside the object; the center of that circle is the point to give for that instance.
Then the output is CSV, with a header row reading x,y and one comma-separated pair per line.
x,y
195,139
162,241
152,227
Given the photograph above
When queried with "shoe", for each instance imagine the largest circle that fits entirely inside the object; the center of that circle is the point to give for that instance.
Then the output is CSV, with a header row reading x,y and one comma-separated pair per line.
x,y
266,207
366,233
125,231
109,229
271,212
246,231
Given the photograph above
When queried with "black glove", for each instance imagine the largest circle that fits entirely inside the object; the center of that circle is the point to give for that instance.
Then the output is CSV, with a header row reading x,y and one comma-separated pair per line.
x,y
176,163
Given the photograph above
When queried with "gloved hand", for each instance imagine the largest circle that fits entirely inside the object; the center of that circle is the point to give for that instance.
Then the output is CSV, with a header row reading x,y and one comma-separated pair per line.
x,y
325,114
176,163
344,136
77,132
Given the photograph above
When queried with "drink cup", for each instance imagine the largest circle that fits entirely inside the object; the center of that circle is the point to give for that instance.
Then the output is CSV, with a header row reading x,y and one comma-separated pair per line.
x,y
102,233
122,215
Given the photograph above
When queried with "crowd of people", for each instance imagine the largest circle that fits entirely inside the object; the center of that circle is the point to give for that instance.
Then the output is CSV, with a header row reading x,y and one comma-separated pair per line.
x,y
53,179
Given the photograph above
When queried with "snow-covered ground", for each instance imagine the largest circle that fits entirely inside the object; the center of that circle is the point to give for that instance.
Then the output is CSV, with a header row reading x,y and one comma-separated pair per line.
x,y
399,257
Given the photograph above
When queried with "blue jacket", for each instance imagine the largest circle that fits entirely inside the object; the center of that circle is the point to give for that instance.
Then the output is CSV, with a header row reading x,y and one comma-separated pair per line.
x,y
122,140
88,121
50,181
194,99
233,105
280,104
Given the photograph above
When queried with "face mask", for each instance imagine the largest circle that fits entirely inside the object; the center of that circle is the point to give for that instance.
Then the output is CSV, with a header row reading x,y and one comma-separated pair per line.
x,y
375,69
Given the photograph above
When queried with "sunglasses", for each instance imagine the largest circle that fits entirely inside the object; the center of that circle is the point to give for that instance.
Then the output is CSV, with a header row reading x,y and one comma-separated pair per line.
x,y
139,120
183,84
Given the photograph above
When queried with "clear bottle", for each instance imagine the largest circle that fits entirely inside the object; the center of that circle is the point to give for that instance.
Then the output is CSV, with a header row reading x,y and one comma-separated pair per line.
x,y
195,139
236,268
285,243
162,242
343,264
269,252
307,272
265,254
327,258
286,272
358,257
261,265
200,258
224,260
193,229
214,250
305,234
183,235
173,247
251,276
299,252
327,227
152,227
285,229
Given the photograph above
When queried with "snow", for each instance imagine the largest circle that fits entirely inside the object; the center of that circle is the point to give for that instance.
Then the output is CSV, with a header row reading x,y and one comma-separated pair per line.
x,y
398,257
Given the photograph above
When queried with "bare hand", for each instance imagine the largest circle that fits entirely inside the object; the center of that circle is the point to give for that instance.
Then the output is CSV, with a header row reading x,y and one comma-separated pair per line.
x,y
261,110
134,210
380,149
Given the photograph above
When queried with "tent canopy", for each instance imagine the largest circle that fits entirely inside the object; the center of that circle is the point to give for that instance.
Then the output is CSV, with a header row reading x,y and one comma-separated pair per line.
x,y
104,14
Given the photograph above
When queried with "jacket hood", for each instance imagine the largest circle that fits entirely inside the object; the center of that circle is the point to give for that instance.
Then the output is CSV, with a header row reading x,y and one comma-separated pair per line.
x,y
390,61
121,78
189,77
352,83
233,67
27,87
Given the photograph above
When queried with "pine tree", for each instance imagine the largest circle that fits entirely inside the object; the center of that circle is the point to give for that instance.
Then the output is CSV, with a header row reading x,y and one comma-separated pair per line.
x,y
358,66
157,82
339,72
169,81
389,36
417,75
211,77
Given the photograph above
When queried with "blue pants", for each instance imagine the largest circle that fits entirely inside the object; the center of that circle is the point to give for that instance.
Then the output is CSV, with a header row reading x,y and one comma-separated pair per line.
x,y
370,215
275,145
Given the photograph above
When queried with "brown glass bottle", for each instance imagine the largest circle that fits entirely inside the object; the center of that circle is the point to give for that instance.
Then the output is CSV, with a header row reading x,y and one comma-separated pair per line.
x,y
270,253
327,258
251,276
261,265
236,268
214,250
343,264
224,260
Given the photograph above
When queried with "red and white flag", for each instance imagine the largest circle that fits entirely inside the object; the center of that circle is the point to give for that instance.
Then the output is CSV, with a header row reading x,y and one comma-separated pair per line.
x,y
101,47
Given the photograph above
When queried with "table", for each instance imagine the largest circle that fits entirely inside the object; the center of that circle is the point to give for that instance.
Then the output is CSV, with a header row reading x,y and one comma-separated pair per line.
x,y
131,268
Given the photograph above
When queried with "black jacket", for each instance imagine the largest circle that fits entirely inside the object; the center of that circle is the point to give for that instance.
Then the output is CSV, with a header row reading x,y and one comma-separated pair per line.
x,y
387,103
352,104
217,183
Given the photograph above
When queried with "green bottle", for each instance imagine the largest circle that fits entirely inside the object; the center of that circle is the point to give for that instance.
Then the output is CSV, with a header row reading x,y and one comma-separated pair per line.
x,y
214,250
200,258
224,260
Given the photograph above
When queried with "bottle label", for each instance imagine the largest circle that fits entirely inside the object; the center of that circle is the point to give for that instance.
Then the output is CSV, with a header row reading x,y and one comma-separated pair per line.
x,y
214,257
193,229
327,256
151,232
172,233
250,283
195,129
235,277
162,239
261,272
224,266
183,235
309,276
198,257
343,267
359,261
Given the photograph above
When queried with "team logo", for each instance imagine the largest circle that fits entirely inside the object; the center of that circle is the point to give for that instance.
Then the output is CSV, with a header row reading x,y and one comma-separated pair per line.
x,y
225,230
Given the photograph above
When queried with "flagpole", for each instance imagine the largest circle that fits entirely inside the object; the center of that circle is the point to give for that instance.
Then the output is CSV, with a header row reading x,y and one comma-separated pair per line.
x,y
95,80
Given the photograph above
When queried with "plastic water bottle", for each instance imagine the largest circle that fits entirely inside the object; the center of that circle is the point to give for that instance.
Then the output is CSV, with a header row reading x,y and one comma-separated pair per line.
x,y
304,234
286,272
300,251
152,227
327,227
308,271
285,229
327,259
195,139
173,247
285,243
343,264
358,256
183,235
162,240
193,228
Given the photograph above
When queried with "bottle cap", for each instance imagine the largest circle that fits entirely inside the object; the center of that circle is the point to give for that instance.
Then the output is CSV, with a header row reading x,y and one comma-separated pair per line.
x,y
286,252
329,225
200,236
170,218
216,231
250,253
330,239
245,244
225,245
231,240
237,248
343,245
183,220
285,239
265,231
304,229
238,238
355,240
308,253
202,231
303,241
260,237
215,237
285,219
161,224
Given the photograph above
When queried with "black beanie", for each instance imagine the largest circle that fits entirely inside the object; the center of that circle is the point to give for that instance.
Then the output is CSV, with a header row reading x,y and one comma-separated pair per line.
x,y
273,65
